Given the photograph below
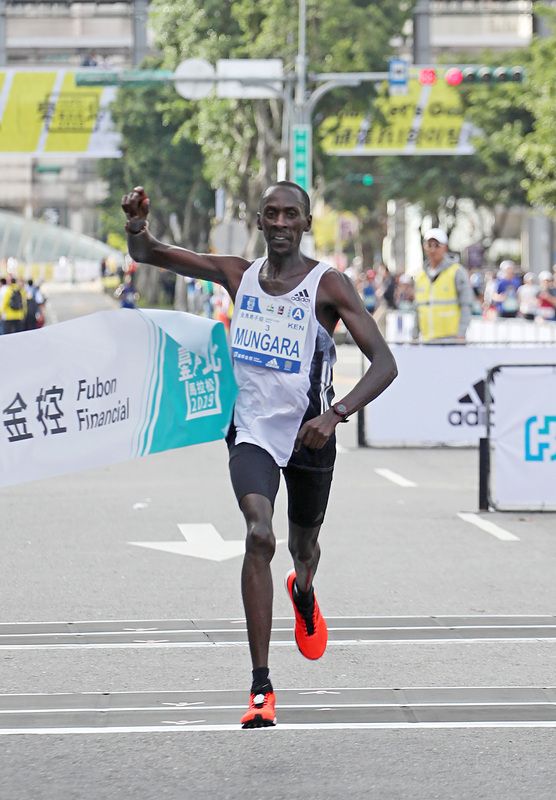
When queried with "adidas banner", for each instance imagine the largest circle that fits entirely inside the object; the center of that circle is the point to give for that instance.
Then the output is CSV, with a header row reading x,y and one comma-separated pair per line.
x,y
109,387
438,396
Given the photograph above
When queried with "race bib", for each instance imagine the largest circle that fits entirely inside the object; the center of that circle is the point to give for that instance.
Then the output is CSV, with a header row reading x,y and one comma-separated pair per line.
x,y
270,333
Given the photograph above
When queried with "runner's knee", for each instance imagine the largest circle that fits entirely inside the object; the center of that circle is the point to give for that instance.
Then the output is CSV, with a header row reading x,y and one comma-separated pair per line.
x,y
302,543
260,540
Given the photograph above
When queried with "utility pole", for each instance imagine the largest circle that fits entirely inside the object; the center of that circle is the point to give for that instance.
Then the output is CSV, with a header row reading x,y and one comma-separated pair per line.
x,y
3,47
422,33
540,26
140,46
301,64
301,133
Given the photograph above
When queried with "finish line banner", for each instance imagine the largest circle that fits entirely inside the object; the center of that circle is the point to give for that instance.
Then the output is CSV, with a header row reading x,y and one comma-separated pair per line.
x,y
43,113
108,387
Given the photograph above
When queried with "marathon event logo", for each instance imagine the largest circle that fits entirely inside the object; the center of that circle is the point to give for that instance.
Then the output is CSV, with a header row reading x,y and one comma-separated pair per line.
x,y
250,303
540,438
471,411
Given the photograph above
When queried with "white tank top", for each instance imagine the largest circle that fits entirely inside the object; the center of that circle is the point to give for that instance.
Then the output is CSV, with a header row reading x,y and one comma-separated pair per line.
x,y
273,340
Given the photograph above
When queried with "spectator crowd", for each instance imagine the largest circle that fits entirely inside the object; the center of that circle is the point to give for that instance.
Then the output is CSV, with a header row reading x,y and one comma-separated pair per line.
x,y
505,294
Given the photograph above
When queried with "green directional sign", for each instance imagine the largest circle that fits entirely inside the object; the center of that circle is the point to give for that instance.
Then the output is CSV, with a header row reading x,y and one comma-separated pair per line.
x,y
126,77
301,156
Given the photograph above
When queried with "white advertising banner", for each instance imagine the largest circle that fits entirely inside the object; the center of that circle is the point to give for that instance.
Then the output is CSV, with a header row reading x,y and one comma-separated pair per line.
x,y
524,439
438,396
109,387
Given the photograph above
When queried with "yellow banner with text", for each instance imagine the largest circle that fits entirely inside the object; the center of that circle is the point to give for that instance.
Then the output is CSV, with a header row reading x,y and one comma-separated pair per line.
x,y
43,113
428,120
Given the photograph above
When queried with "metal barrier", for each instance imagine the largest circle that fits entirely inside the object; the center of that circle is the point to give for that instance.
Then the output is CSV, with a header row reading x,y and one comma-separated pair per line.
x,y
399,330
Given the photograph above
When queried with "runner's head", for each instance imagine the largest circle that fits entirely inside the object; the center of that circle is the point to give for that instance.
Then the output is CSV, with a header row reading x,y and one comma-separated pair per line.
x,y
284,216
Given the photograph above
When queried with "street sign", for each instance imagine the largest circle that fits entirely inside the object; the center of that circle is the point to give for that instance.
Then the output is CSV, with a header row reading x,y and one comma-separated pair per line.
x,y
301,156
398,76
267,72
188,78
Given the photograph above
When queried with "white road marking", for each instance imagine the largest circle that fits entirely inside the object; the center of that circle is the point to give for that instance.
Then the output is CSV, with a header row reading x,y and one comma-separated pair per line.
x,y
394,477
489,527
305,726
201,541
337,643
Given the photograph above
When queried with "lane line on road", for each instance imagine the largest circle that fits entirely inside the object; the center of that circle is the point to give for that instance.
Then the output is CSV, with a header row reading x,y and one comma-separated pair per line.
x,y
394,477
235,728
344,631
273,644
488,527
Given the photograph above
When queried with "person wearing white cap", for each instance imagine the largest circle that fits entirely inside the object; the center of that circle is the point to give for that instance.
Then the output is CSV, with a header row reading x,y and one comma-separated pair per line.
x,y
443,293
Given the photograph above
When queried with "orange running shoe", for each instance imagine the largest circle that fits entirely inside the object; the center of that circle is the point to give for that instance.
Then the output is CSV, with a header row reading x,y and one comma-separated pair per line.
x,y
261,712
311,633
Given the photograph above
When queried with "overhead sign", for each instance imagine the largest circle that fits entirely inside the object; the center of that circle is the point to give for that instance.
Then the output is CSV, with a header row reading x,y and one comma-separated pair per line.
x,y
109,387
398,76
428,120
241,78
446,384
44,113
523,438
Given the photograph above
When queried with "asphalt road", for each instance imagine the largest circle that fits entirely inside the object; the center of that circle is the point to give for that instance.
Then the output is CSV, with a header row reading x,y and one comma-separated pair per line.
x,y
124,666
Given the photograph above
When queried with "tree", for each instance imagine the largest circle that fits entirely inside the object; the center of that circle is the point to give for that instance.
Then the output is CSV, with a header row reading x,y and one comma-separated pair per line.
x,y
169,166
241,141
537,153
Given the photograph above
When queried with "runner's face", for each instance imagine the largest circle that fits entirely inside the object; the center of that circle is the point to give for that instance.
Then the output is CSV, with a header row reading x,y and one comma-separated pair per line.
x,y
282,220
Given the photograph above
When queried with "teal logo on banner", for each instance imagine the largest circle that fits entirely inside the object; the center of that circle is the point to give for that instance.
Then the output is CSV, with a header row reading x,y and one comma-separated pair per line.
x,y
197,394
540,439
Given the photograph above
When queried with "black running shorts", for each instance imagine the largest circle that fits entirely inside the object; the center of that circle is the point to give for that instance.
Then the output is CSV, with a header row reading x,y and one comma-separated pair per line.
x,y
254,471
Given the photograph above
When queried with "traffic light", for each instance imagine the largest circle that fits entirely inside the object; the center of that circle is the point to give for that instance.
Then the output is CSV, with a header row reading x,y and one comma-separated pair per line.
x,y
427,76
488,75
365,178
476,73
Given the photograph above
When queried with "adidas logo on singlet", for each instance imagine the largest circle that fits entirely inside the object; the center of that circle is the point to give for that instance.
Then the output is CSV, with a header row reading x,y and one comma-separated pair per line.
x,y
273,364
301,297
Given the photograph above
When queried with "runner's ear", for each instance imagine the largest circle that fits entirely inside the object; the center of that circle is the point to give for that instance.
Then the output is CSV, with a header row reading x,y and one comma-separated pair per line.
x,y
259,226
309,223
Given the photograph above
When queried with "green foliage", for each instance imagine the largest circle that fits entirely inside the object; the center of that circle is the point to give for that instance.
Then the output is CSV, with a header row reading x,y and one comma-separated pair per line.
x,y
154,156
241,141
537,153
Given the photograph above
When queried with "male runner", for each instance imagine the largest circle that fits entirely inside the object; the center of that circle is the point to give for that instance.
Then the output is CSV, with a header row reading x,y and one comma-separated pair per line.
x,y
286,308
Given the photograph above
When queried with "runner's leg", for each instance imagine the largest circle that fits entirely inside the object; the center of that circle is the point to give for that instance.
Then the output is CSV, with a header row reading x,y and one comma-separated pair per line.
x,y
305,551
308,492
255,479
256,577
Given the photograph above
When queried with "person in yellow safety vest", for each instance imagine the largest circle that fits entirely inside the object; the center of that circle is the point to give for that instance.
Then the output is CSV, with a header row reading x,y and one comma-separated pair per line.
x,y
14,307
443,294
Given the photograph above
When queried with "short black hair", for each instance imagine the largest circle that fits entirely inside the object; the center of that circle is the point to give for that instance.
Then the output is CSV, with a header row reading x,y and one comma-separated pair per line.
x,y
291,185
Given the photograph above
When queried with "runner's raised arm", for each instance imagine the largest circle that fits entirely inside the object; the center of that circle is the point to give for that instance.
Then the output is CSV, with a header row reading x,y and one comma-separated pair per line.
x,y
143,247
